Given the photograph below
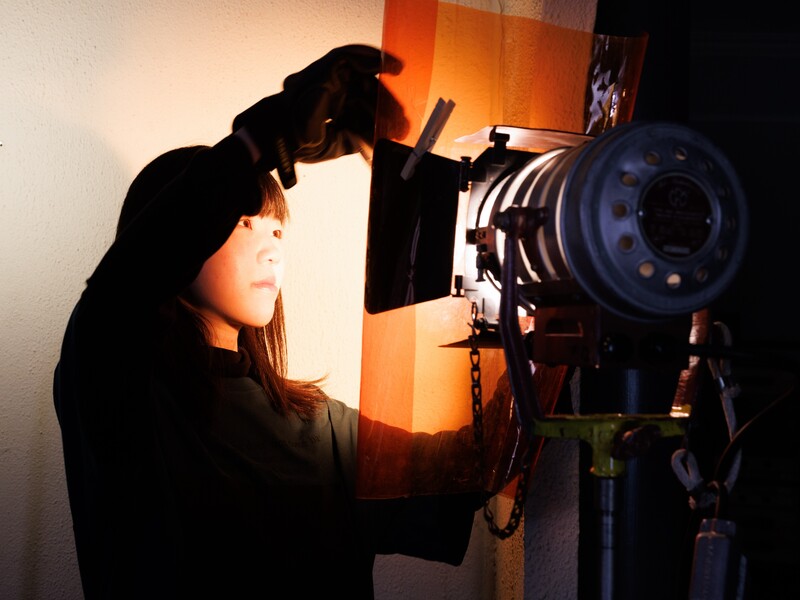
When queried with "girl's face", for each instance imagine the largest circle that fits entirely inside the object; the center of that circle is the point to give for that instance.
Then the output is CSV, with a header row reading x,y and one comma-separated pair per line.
x,y
238,285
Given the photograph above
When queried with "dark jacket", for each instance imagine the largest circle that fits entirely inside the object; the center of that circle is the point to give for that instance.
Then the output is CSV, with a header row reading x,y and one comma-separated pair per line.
x,y
252,503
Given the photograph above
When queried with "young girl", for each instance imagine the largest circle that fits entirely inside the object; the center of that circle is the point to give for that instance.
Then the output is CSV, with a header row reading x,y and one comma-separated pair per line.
x,y
195,468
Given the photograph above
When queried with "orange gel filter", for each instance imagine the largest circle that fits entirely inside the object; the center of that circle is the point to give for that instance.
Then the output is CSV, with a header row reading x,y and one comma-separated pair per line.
x,y
499,70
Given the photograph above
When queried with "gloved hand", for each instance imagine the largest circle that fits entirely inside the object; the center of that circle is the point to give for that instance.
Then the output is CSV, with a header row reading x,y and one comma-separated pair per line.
x,y
325,111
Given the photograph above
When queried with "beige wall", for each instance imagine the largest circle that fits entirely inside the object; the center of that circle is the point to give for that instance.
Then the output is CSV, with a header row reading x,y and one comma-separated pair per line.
x,y
89,92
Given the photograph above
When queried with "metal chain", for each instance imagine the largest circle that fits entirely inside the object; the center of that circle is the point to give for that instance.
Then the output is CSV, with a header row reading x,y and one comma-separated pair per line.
x,y
521,492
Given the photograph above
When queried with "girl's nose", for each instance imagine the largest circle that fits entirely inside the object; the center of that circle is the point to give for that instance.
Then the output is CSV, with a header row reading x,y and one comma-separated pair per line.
x,y
270,250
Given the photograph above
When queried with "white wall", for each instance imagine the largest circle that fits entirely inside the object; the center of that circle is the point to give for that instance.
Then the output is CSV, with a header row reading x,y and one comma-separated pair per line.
x,y
91,91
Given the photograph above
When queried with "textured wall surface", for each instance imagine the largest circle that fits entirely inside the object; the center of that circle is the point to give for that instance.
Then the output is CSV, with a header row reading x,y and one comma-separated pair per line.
x,y
89,93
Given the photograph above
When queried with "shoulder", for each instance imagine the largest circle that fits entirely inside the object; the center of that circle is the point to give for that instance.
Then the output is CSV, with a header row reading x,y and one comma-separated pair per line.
x,y
344,423
340,414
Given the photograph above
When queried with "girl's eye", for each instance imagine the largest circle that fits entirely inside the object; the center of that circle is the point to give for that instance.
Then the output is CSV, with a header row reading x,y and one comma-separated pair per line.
x,y
278,233
245,222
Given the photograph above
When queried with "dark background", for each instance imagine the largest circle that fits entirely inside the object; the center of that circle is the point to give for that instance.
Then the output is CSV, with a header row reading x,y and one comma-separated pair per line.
x,y
730,74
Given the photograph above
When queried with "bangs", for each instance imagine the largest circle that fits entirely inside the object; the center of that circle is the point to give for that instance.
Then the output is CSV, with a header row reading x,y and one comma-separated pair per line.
x,y
274,202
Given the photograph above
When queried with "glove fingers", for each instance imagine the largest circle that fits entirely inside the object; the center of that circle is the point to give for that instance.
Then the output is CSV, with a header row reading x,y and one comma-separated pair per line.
x,y
393,123
311,112
362,59
333,103
356,107
355,58
337,143
364,104
349,133
367,60
343,101
335,121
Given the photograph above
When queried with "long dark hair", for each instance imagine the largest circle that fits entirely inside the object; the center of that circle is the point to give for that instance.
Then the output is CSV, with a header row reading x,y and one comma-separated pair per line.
x,y
183,333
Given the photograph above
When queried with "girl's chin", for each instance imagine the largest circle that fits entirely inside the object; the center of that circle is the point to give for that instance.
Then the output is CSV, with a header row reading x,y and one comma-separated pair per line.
x,y
262,321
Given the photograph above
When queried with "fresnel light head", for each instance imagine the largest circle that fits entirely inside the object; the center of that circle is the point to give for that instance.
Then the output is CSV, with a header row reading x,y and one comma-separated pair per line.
x,y
616,240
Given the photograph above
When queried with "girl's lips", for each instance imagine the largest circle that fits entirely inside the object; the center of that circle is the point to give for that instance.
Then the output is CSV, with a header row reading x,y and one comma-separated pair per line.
x,y
266,284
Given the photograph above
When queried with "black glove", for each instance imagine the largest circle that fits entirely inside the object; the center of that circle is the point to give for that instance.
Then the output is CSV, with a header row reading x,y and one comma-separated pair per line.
x,y
325,111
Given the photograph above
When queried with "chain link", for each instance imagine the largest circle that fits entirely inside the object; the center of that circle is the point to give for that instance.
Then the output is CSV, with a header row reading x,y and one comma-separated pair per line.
x,y
521,492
